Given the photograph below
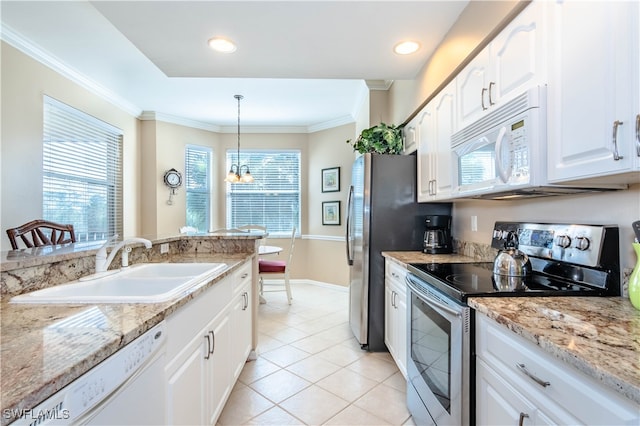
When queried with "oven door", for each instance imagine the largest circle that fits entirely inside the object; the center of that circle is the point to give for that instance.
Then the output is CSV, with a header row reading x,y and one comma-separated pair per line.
x,y
439,357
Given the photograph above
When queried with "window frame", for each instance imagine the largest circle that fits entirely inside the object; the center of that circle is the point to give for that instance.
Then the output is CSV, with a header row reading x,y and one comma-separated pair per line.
x,y
231,158
63,126
206,190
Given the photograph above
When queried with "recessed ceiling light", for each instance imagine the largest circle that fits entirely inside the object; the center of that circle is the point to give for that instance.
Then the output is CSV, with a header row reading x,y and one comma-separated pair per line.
x,y
223,45
406,47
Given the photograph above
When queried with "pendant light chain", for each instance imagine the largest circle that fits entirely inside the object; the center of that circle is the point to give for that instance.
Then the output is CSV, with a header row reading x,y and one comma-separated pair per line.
x,y
235,172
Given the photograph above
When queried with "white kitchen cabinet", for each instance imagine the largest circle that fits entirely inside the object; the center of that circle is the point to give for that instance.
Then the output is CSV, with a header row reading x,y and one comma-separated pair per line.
x,y
513,62
436,123
594,87
517,381
409,139
205,358
241,319
395,316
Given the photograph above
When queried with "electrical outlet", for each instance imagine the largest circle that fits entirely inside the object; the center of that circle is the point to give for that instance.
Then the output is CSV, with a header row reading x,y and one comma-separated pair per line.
x,y
474,223
164,248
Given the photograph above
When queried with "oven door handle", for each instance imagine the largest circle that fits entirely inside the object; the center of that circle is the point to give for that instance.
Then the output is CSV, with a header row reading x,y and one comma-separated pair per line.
x,y
429,300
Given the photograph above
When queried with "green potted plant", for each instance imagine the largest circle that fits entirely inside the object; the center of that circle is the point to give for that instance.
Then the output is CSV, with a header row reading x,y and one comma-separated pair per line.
x,y
380,139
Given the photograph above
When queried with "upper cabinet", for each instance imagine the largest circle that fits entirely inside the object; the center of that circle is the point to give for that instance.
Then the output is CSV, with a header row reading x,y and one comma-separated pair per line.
x,y
594,92
409,138
513,62
436,123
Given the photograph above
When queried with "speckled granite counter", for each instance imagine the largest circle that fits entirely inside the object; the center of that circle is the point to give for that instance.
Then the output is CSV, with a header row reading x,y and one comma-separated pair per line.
x,y
45,347
599,336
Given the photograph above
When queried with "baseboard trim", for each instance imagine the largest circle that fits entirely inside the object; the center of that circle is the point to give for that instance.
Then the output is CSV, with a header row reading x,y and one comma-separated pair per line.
x,y
308,282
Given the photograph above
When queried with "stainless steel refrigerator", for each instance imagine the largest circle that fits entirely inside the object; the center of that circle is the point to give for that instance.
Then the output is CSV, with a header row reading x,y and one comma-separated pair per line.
x,y
382,215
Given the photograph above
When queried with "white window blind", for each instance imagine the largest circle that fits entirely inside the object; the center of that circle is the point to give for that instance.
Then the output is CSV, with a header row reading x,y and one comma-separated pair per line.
x,y
81,172
273,199
198,177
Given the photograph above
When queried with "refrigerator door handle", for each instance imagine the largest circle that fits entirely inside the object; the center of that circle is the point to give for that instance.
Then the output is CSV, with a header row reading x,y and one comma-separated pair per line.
x,y
348,227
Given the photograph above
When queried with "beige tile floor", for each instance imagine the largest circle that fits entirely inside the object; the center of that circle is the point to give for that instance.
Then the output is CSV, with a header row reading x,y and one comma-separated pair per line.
x,y
311,371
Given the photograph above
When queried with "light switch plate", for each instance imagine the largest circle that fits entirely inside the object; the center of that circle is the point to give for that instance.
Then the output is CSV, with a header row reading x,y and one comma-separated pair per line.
x,y
164,248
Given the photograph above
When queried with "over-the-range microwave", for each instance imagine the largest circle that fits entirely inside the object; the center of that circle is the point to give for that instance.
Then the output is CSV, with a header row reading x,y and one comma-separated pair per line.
x,y
504,154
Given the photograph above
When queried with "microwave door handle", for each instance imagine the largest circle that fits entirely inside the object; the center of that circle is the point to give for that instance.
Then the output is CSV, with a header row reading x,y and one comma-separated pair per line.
x,y
502,173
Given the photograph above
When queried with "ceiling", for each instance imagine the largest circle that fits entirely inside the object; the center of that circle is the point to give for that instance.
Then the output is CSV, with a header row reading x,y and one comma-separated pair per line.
x,y
300,65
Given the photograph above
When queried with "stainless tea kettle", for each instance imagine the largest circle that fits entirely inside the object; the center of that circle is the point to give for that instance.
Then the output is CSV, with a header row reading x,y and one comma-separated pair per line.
x,y
511,262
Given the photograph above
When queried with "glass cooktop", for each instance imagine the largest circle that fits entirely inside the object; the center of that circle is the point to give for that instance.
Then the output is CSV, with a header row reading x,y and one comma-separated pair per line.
x,y
464,280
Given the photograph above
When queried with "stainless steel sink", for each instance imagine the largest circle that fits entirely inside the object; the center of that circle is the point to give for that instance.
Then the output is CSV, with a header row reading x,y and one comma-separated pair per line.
x,y
144,283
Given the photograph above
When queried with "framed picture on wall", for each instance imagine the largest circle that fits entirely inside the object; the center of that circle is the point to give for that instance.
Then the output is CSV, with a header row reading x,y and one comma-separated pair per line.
x,y
331,213
331,179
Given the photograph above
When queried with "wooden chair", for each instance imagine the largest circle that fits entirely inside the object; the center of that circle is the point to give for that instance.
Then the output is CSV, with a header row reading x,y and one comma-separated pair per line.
x,y
38,233
278,267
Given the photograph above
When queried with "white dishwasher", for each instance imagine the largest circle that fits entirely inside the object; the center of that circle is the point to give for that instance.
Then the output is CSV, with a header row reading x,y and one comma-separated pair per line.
x,y
125,389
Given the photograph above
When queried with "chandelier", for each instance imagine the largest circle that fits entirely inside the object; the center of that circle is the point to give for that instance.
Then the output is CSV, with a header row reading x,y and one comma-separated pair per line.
x,y
236,174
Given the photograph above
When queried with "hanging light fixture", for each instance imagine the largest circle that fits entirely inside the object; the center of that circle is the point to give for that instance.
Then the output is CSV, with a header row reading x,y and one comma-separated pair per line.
x,y
235,174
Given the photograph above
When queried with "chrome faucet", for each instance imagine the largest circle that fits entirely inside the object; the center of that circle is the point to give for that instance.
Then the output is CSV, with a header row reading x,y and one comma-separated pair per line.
x,y
103,262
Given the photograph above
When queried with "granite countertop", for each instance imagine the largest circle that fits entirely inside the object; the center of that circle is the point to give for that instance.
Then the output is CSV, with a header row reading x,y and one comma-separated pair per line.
x,y
599,336
45,347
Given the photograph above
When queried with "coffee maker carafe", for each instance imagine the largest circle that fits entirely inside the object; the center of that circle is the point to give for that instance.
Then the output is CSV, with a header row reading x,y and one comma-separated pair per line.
x,y
437,236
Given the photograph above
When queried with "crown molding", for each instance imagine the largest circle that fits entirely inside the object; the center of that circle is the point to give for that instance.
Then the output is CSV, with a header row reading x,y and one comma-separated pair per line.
x,y
15,39
379,84
168,118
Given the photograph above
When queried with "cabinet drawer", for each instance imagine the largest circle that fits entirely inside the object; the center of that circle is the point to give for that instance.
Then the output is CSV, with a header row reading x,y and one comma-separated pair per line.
x,y
242,276
585,398
395,271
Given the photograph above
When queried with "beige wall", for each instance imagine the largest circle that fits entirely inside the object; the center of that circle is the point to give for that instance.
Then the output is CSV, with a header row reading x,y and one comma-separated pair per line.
x,y
24,82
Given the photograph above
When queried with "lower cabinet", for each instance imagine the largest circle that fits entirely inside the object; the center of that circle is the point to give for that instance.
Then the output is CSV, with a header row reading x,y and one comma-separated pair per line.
x,y
518,383
395,314
205,357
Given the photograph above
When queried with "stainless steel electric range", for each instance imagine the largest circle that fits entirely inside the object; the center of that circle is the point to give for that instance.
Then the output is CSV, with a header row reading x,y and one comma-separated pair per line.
x,y
566,260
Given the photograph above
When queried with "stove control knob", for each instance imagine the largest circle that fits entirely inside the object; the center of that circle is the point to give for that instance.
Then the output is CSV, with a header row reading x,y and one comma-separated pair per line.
x,y
564,241
582,243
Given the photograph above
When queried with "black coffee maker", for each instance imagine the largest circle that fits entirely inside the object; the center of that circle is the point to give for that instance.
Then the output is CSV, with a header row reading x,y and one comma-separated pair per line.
x,y
437,236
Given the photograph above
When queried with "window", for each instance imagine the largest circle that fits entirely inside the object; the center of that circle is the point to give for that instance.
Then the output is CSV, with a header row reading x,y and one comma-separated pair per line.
x,y
81,172
273,200
197,177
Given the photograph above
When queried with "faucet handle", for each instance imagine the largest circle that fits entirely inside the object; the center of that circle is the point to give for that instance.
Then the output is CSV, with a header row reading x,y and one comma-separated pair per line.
x,y
110,240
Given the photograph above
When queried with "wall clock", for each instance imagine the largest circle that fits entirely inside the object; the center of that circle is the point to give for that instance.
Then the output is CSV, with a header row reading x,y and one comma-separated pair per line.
x,y
173,178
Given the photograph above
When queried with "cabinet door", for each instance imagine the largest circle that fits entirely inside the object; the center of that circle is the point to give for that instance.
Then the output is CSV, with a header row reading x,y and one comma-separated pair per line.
x,y
472,88
497,402
445,120
425,154
186,385
241,326
409,139
389,318
589,97
219,370
401,332
518,56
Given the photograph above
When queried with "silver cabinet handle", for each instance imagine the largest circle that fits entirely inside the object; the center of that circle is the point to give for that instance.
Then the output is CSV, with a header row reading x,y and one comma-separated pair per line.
x,y
522,417
616,155
484,90
490,87
245,275
213,341
539,381
638,135
208,353
393,299
245,300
